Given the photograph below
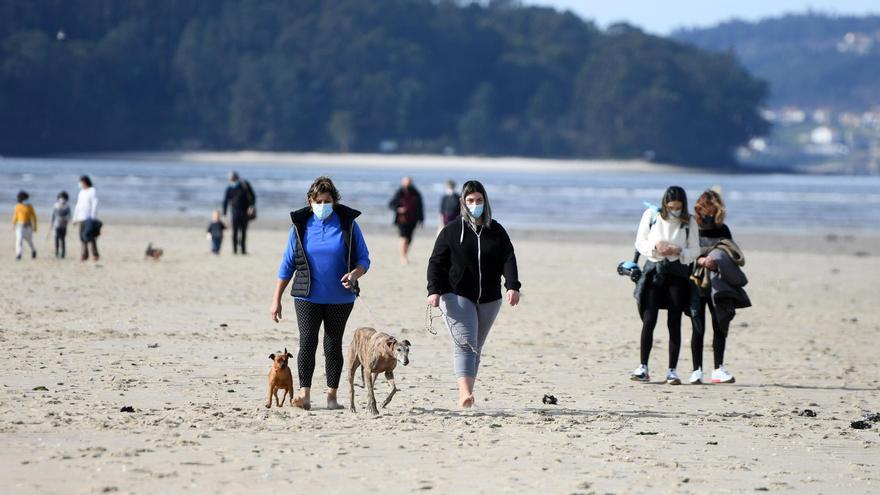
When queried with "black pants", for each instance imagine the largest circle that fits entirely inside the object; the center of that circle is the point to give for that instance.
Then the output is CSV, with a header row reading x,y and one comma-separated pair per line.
x,y
722,314
60,242
309,317
239,231
85,245
676,294
215,244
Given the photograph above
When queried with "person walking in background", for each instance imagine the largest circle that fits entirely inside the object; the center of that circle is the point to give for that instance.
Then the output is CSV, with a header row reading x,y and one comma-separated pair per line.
x,y
450,204
24,222
408,214
60,219
241,201
715,241
668,240
215,231
325,256
85,214
464,280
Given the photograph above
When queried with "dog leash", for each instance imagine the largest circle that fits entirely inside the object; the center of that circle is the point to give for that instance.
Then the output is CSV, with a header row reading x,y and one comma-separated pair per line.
x,y
429,327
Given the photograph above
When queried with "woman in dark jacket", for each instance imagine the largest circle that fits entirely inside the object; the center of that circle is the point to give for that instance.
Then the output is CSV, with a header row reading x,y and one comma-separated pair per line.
x,y
326,255
464,279
710,212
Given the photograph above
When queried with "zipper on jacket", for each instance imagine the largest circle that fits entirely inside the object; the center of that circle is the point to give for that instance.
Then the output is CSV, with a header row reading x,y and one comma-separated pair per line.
x,y
305,259
479,266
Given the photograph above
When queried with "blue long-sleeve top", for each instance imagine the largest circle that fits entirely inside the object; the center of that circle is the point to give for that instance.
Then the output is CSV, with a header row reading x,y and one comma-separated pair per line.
x,y
328,259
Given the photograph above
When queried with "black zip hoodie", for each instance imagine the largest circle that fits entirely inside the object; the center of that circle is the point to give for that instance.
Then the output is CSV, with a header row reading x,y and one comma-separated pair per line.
x,y
471,265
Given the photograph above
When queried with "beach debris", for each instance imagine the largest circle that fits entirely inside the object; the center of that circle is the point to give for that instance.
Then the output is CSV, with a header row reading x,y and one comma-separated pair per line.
x,y
40,388
127,409
646,433
152,346
712,443
809,413
549,399
868,420
223,325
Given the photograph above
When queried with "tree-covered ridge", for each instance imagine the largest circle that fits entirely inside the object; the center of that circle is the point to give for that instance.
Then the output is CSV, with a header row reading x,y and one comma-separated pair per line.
x,y
86,75
810,60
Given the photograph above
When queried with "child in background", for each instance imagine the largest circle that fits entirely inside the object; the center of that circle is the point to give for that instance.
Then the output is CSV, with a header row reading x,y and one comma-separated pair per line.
x,y
215,231
60,218
24,221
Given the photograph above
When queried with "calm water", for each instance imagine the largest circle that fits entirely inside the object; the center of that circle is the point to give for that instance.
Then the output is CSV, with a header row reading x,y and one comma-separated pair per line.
x,y
557,200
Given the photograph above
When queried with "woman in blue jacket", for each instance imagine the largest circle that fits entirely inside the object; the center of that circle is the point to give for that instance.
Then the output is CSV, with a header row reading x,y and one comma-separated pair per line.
x,y
325,256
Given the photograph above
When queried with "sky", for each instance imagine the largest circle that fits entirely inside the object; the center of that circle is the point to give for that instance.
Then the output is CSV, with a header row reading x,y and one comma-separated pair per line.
x,y
664,16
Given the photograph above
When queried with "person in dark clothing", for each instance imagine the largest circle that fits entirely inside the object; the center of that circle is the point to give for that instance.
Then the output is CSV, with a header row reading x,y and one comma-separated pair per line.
x,y
408,214
241,201
710,213
60,218
464,279
325,257
450,204
215,232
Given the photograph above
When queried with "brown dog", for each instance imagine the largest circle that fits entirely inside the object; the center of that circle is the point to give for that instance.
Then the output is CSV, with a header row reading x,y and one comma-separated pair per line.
x,y
153,253
280,378
375,352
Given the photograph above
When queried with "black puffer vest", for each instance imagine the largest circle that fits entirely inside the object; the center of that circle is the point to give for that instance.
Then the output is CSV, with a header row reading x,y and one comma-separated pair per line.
x,y
302,279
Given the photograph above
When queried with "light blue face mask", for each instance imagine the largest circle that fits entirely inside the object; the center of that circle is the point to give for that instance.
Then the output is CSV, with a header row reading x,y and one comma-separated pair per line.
x,y
476,210
322,210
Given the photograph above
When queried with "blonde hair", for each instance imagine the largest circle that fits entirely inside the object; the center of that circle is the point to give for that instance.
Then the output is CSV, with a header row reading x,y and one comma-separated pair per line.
x,y
710,198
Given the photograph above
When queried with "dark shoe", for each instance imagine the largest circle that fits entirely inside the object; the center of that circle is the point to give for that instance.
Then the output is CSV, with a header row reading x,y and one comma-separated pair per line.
x,y
33,255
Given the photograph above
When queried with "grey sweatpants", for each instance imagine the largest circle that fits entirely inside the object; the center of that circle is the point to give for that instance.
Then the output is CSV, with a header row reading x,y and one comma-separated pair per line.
x,y
469,325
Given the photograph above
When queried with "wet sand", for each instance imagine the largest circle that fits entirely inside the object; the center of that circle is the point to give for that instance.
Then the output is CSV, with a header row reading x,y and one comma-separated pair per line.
x,y
185,342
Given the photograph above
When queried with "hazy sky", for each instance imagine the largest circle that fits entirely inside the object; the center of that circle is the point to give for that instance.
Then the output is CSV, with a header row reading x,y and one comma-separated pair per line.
x,y
663,16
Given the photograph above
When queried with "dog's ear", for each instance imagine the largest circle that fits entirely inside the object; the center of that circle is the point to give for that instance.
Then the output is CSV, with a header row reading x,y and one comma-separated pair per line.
x,y
289,355
285,350
272,356
406,343
391,343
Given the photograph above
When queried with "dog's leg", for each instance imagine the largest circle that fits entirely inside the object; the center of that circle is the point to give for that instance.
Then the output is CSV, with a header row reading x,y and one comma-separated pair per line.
x,y
275,393
389,375
371,394
353,364
269,402
290,395
284,396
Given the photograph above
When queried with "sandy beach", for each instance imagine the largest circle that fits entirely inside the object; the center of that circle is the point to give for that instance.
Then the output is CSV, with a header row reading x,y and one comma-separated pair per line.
x,y
184,342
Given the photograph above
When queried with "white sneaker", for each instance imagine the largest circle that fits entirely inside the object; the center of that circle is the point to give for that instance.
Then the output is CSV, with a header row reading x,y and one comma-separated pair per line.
x,y
672,377
722,376
697,376
640,374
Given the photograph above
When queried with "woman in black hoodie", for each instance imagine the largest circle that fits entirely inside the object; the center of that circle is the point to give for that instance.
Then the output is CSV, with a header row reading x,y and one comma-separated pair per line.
x,y
464,279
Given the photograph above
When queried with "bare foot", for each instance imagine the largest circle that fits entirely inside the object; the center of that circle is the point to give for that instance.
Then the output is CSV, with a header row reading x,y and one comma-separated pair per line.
x,y
466,402
302,403
333,404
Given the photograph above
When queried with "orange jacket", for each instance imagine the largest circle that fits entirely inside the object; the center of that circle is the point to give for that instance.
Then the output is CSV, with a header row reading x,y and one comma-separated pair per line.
x,y
25,215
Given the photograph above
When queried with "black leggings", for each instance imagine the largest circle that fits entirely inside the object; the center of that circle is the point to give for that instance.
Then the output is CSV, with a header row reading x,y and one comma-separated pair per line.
x,y
721,315
676,293
309,317
239,232
60,244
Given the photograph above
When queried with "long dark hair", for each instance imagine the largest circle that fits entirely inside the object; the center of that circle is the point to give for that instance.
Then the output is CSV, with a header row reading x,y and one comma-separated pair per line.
x,y
85,180
470,187
675,193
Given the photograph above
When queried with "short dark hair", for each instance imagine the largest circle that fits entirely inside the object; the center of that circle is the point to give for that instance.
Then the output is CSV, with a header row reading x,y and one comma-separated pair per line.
x,y
21,196
63,195
675,193
85,180
323,185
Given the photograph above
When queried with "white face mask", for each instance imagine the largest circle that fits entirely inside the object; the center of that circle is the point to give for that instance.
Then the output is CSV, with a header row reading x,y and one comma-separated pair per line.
x,y
322,210
674,213
476,210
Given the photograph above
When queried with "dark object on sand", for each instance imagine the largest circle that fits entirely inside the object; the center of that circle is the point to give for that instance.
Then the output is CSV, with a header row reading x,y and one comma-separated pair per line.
x,y
128,409
41,389
549,399
872,417
808,413
861,425
152,346
153,253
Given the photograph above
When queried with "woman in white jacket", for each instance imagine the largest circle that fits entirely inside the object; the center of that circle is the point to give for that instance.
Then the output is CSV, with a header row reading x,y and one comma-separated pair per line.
x,y
669,239
86,209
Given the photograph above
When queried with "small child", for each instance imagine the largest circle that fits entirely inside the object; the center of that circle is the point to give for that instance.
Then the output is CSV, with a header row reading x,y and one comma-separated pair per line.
x,y
60,218
215,231
24,221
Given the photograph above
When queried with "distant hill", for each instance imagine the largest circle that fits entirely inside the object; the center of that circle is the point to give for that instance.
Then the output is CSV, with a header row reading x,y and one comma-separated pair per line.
x,y
810,60
421,76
